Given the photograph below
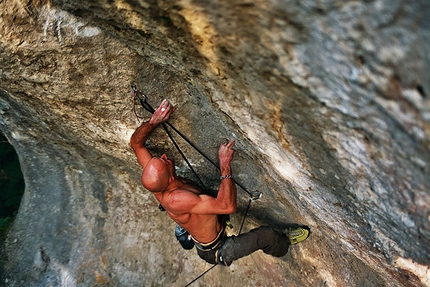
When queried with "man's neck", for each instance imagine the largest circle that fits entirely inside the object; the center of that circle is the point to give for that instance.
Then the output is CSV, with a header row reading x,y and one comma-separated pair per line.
x,y
175,184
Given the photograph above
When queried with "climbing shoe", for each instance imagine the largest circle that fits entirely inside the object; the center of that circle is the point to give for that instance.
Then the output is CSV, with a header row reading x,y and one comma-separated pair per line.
x,y
297,235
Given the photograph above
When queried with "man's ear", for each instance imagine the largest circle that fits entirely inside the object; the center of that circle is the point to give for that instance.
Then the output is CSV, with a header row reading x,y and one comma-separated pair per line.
x,y
171,179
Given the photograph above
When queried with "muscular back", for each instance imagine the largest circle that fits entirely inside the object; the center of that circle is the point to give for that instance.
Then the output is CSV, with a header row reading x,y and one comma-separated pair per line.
x,y
203,227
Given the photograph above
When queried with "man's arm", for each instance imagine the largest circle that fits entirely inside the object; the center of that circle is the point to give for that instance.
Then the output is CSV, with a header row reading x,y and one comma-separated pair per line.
x,y
142,133
224,203
227,190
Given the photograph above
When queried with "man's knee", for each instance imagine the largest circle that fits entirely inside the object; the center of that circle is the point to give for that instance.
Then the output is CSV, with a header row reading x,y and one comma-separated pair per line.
x,y
226,261
228,252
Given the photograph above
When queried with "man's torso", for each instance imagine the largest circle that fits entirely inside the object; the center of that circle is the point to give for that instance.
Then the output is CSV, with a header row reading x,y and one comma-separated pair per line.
x,y
203,228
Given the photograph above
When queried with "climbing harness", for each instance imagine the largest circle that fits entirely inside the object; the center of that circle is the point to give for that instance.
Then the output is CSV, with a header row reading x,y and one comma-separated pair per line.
x,y
255,195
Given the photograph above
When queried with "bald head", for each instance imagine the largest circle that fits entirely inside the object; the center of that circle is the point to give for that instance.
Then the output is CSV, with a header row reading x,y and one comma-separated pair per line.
x,y
156,175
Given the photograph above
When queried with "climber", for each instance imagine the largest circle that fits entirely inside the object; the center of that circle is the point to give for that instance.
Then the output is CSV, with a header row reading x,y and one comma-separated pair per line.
x,y
199,214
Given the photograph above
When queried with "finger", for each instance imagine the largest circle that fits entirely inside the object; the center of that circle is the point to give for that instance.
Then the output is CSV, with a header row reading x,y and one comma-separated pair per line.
x,y
171,110
165,106
168,106
231,143
161,106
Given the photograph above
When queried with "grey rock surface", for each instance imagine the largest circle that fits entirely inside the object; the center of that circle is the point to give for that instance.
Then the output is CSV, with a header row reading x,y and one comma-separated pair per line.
x,y
329,102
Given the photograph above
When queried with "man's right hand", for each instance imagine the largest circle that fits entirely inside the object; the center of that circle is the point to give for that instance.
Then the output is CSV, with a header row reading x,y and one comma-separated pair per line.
x,y
163,113
226,153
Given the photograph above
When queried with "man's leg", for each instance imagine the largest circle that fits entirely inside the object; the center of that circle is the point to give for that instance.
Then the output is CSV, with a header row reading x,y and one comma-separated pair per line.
x,y
265,238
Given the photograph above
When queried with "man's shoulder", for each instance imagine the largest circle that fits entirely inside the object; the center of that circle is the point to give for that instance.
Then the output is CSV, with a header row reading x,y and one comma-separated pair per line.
x,y
179,201
182,192
177,193
191,187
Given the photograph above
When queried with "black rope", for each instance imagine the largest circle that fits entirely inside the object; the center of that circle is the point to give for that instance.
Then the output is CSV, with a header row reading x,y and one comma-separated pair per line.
x,y
200,276
246,213
204,155
183,156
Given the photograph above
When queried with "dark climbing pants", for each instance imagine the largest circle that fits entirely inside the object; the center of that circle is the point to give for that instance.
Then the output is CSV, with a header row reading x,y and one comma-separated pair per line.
x,y
271,241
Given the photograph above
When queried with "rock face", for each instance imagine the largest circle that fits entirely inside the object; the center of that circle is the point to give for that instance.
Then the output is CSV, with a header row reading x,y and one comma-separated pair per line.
x,y
329,102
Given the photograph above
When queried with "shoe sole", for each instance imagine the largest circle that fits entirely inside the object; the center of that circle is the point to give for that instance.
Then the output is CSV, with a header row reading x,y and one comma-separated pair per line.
x,y
298,238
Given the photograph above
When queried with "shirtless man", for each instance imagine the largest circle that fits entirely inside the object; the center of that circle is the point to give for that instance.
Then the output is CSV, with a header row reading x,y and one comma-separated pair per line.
x,y
200,214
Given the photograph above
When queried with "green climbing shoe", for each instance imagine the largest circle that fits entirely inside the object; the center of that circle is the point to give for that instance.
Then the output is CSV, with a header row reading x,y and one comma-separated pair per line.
x,y
297,235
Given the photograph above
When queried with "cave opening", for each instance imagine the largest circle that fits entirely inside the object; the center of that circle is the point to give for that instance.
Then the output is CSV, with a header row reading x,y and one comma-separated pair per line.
x,y
11,185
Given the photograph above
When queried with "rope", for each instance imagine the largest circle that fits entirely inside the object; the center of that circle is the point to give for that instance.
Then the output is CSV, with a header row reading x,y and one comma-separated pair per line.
x,y
246,213
183,156
200,276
